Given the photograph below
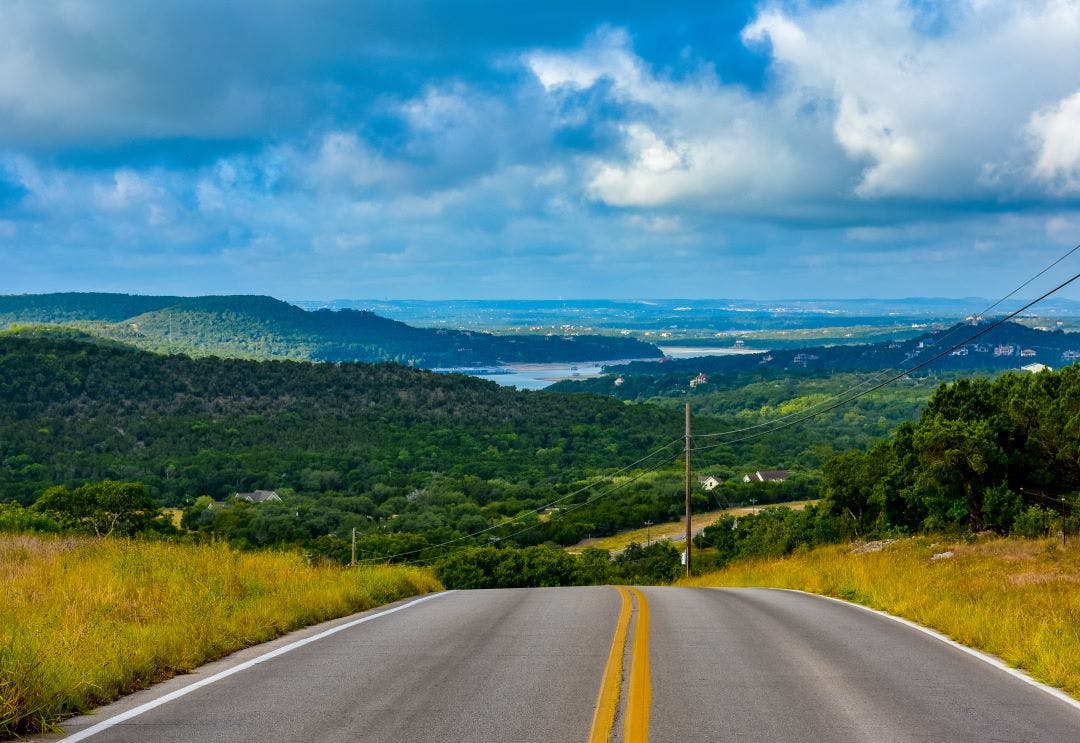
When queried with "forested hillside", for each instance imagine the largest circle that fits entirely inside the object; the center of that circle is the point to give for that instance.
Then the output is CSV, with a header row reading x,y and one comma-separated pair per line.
x,y
409,458
68,307
406,456
981,454
1008,346
265,328
984,455
72,409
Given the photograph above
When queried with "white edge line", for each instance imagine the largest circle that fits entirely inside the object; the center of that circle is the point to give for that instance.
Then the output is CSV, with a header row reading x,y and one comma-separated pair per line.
x,y
984,657
136,711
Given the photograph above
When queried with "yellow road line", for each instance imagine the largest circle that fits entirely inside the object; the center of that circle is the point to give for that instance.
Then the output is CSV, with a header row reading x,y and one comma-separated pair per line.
x,y
608,700
636,729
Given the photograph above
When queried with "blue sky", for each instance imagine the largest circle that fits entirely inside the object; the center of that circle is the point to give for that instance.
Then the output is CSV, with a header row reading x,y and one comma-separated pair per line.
x,y
327,149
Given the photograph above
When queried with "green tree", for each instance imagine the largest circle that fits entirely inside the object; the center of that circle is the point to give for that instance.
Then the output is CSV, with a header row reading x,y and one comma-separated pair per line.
x,y
103,508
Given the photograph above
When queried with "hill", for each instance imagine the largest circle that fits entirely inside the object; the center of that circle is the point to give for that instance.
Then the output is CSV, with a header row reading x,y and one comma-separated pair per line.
x,y
1006,347
260,327
67,307
74,410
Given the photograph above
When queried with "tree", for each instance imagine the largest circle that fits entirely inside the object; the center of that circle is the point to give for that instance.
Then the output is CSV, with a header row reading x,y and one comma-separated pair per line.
x,y
959,459
847,484
103,508
1001,508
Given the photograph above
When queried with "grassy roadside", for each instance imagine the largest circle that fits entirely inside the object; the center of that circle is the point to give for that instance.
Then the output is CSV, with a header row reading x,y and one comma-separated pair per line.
x,y
1018,599
83,621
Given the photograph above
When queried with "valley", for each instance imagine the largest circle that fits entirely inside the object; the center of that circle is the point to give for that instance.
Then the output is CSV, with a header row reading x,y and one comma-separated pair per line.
x,y
444,372
483,486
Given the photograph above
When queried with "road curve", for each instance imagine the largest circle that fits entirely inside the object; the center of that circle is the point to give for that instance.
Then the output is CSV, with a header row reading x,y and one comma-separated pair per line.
x,y
528,664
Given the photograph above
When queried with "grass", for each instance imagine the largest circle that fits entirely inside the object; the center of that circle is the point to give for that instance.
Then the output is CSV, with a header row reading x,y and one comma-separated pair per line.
x,y
84,621
674,529
1016,599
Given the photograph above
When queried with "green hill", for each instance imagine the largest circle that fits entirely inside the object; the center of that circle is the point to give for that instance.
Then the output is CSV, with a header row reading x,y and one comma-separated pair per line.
x,y
74,410
68,307
1008,346
260,327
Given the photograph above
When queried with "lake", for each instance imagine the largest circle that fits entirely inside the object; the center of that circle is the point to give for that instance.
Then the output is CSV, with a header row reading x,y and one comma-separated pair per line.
x,y
539,376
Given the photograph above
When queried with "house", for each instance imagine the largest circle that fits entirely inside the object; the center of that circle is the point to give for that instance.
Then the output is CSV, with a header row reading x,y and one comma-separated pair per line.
x,y
1070,355
709,482
805,358
767,476
699,379
1027,353
1003,350
1035,368
259,496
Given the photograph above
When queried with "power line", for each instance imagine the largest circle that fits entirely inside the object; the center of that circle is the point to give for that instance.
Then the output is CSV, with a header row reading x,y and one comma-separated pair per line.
x,y
934,343
538,510
614,487
773,426
893,378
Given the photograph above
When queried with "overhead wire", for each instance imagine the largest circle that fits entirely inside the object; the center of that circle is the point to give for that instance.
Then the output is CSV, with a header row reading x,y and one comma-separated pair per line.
x,y
935,342
503,537
774,425
992,326
538,510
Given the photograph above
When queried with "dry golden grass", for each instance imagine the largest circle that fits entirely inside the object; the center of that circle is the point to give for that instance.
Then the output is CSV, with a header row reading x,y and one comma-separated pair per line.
x,y
83,621
1014,598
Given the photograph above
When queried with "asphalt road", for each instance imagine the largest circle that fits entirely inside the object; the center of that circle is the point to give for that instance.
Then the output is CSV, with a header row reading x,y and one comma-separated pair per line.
x,y
527,665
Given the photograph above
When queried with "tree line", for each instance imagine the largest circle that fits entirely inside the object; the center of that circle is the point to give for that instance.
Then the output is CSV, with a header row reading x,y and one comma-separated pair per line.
x,y
985,455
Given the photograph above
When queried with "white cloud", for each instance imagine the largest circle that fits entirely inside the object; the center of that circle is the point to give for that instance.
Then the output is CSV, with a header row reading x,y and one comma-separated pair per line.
x,y
868,133
930,114
127,190
1057,131
1064,228
864,105
605,55
691,141
343,160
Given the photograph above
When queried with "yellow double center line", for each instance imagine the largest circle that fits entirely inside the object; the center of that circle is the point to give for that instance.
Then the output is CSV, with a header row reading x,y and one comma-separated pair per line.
x,y
639,696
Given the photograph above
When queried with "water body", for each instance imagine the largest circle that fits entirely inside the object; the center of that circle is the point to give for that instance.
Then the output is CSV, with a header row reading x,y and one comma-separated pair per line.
x,y
534,376
539,376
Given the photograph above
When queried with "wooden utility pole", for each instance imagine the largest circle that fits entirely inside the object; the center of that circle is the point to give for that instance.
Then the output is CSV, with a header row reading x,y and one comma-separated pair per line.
x,y
688,546
1063,521
352,562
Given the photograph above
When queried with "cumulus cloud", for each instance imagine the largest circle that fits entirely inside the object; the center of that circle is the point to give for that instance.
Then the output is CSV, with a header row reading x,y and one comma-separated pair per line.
x,y
1057,132
864,103
690,141
342,159
886,130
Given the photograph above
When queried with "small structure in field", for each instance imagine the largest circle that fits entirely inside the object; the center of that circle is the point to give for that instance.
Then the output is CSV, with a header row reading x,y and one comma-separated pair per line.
x,y
709,482
767,476
259,496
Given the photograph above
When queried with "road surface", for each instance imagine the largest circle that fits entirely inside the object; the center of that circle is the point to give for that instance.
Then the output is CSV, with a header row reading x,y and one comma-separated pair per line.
x,y
530,664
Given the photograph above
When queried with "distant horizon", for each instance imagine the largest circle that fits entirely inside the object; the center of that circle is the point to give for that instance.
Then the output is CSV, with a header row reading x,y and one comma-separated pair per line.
x,y
554,300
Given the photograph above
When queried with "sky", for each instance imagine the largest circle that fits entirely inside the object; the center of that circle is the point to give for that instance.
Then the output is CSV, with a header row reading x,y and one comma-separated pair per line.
x,y
525,150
